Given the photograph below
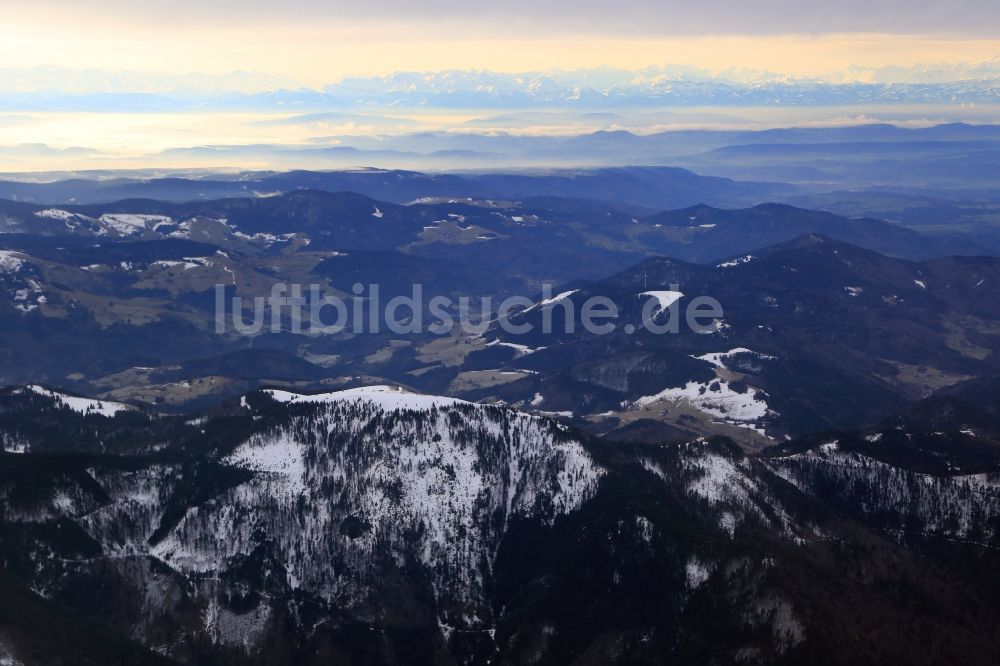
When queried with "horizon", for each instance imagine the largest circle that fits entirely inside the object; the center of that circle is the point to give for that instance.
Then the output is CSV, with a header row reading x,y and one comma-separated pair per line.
x,y
512,141
128,85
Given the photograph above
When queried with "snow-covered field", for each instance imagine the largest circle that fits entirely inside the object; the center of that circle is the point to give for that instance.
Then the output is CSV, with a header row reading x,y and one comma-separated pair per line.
x,y
716,397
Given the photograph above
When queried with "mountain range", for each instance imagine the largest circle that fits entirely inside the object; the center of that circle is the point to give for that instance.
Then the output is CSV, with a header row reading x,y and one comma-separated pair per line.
x,y
470,89
527,154
809,475
139,277
380,526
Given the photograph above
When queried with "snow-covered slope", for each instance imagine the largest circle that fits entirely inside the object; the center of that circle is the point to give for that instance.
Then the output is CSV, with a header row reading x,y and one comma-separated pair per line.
x,y
386,397
342,489
959,507
435,490
746,407
85,406
287,528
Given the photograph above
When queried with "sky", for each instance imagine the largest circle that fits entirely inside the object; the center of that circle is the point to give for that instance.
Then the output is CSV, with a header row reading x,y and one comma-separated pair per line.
x,y
314,43
53,53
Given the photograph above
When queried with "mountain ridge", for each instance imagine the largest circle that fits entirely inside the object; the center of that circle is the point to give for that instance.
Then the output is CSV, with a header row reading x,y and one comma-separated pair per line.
x,y
670,527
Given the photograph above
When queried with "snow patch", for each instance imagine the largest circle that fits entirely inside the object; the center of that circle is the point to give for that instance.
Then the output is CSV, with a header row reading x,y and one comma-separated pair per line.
x,y
55,214
167,263
717,399
664,299
736,262
277,455
128,224
524,349
10,262
696,572
552,301
718,359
